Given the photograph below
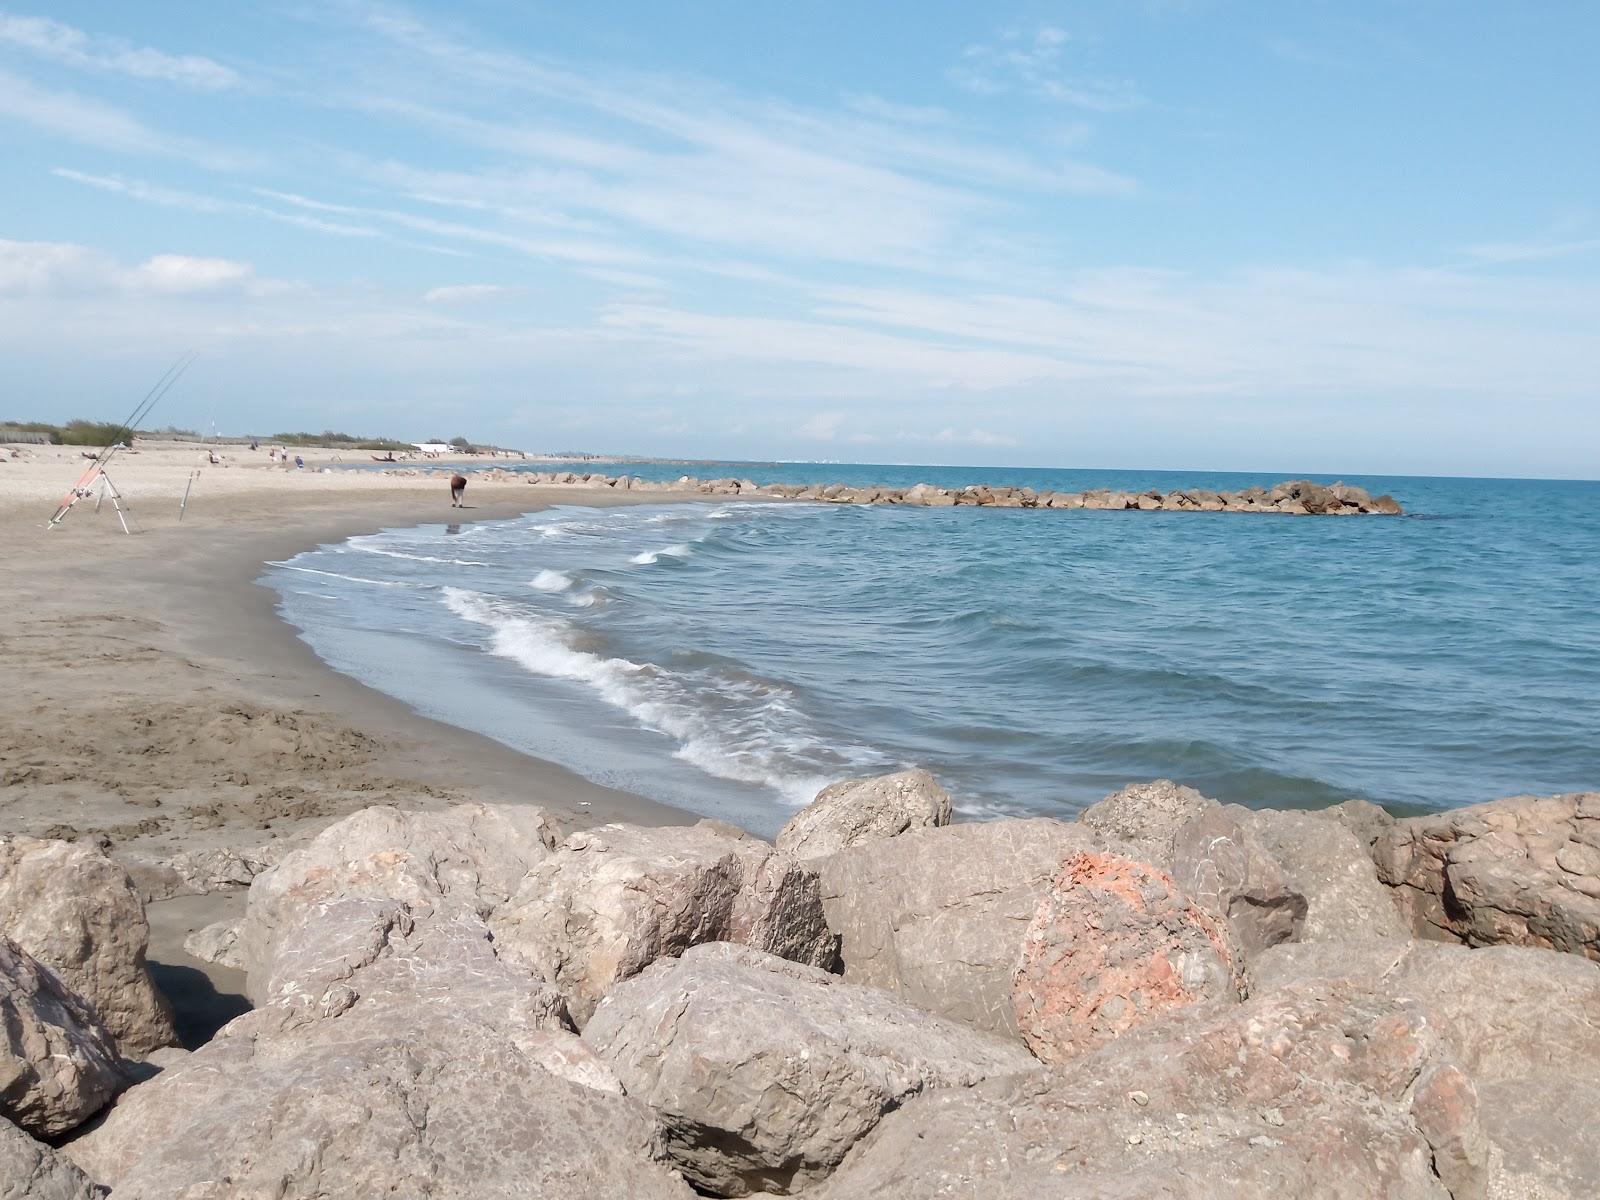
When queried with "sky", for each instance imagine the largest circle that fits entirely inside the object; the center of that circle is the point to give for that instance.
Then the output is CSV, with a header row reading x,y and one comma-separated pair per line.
x,y
1351,236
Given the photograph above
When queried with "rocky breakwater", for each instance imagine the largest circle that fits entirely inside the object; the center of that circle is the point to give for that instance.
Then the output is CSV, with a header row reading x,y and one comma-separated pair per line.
x,y
1166,997
1298,497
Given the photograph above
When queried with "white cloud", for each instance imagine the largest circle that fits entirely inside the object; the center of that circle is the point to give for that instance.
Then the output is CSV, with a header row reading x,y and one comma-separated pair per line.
x,y
64,44
467,293
180,273
66,269
1032,63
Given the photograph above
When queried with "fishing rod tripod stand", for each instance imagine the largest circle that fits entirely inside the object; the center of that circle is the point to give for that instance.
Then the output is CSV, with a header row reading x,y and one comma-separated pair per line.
x,y
87,488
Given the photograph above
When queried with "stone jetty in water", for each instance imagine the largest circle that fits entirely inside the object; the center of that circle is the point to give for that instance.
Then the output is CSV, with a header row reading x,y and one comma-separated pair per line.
x,y
1296,497
1167,996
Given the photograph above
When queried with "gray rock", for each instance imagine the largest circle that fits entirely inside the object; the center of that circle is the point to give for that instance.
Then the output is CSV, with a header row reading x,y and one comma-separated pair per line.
x,y
1219,863
76,911
863,810
1523,871
938,916
1146,817
1523,1023
471,857
30,1170
1299,1092
612,900
216,943
1325,861
765,1072
58,1064
396,1056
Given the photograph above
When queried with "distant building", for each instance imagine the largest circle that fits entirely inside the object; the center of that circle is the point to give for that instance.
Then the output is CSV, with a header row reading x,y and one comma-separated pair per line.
x,y
434,447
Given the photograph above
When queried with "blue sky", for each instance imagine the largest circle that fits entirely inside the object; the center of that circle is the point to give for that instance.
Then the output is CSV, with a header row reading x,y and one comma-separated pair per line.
x,y
1166,234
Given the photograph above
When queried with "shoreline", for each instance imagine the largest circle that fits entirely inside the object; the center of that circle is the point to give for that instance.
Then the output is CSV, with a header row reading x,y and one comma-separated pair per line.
x,y
161,707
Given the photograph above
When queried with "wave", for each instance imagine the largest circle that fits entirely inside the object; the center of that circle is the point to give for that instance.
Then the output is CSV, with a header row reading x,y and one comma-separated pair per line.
x,y
550,581
646,558
365,547
744,730
399,583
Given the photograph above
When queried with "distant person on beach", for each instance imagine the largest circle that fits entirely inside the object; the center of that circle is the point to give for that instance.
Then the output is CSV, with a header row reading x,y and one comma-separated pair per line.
x,y
458,488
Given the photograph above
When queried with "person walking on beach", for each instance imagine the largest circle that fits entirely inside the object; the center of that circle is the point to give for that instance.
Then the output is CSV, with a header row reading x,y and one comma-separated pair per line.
x,y
458,488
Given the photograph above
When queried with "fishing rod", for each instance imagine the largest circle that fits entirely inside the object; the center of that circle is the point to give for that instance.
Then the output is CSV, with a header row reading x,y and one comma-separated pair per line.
x,y
121,435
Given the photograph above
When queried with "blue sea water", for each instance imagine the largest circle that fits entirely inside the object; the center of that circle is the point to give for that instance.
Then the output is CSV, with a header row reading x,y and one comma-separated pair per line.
x,y
733,657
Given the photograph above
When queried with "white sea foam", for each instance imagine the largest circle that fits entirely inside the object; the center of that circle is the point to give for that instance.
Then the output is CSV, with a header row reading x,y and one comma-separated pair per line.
x,y
399,583
646,558
743,729
365,546
550,581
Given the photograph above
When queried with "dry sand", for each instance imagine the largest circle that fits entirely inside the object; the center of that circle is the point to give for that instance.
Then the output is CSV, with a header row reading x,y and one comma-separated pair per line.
x,y
153,700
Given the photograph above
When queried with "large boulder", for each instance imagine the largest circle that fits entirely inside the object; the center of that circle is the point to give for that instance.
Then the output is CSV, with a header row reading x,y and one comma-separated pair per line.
x,y
30,1170
1115,943
1145,817
396,1056
865,810
76,911
1226,870
1321,1090
470,857
612,900
1524,871
938,916
1326,861
58,1064
1524,1025
764,1072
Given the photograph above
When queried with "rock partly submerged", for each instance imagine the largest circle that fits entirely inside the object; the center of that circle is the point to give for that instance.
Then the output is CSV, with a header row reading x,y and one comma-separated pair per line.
x,y
1294,497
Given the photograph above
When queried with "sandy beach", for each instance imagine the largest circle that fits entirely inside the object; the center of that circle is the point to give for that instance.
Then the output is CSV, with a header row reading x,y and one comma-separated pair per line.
x,y
156,703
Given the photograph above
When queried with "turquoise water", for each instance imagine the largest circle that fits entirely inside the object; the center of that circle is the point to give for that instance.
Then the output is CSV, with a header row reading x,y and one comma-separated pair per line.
x,y
733,657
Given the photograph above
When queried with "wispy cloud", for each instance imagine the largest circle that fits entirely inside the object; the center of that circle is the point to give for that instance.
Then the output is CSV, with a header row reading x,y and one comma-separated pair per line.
x,y
138,189
1532,251
65,44
1035,62
467,293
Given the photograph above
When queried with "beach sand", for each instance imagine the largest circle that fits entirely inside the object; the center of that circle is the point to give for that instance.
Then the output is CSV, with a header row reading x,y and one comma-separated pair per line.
x,y
154,701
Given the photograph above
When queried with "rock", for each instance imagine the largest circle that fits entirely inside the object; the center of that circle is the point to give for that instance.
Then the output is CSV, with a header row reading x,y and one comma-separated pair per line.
x,y
1362,818
472,857
30,1170
216,943
1114,944
197,872
1306,1091
612,900
1326,863
1524,1026
1519,871
937,916
73,909
862,810
395,1055
58,1064
709,1042
1223,867
1146,817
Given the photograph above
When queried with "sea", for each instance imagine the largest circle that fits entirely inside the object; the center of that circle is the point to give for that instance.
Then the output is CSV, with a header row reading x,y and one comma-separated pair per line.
x,y
732,658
